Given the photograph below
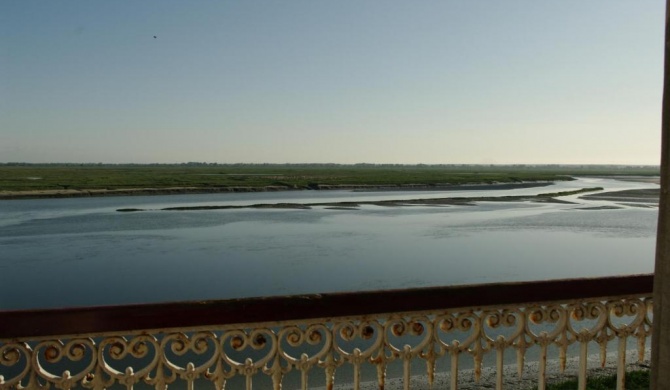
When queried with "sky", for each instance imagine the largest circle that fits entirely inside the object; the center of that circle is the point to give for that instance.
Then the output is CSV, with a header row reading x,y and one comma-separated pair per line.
x,y
315,81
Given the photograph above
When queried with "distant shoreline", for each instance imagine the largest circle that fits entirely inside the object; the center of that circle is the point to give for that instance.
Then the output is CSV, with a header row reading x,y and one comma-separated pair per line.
x,y
85,193
150,191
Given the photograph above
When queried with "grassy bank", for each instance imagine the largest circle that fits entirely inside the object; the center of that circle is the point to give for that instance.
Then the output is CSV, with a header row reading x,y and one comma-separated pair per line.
x,y
20,177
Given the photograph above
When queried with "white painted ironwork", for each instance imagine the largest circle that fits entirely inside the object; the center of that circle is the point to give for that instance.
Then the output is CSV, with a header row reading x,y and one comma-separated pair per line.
x,y
215,355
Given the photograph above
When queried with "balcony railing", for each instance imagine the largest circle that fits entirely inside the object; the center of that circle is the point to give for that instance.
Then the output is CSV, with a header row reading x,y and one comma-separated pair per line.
x,y
328,339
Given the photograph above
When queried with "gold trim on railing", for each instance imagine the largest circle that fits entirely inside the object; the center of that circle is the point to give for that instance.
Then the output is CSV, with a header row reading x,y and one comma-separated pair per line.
x,y
324,346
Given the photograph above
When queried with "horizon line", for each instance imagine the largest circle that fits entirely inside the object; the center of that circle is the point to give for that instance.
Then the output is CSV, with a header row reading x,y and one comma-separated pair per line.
x,y
202,163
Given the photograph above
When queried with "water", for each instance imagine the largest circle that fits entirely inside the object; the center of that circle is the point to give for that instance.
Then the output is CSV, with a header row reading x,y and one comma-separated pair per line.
x,y
81,252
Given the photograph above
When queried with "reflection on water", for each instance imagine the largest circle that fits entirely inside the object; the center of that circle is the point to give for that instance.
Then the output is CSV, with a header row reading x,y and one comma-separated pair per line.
x,y
65,252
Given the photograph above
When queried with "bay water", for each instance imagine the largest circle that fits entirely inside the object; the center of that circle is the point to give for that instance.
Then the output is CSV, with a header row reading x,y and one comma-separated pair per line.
x,y
82,252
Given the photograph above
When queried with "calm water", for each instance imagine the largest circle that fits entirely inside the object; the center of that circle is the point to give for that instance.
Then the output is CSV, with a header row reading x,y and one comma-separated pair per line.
x,y
72,252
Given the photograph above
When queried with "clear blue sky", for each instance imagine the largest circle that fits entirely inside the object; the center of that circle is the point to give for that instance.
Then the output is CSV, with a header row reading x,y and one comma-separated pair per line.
x,y
348,81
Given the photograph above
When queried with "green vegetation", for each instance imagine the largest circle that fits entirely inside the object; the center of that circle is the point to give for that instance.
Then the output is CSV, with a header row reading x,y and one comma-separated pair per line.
x,y
635,380
26,177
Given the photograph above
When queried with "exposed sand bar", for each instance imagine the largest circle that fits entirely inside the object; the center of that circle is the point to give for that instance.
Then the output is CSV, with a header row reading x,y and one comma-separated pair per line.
x,y
544,198
650,195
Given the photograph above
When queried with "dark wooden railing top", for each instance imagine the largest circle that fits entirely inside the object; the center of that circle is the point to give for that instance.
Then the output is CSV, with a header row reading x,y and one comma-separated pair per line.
x,y
55,322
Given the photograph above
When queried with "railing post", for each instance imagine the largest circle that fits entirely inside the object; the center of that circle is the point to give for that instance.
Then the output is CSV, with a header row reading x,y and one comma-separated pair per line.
x,y
660,353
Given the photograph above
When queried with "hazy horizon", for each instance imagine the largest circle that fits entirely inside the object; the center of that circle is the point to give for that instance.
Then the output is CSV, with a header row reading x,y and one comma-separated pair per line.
x,y
443,82
381,164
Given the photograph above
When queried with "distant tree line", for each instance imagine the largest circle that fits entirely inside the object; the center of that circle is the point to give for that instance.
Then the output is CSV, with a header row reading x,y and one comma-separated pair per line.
x,y
357,165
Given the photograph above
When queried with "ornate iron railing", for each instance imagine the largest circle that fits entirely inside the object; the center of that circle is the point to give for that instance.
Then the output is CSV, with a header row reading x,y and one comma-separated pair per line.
x,y
267,340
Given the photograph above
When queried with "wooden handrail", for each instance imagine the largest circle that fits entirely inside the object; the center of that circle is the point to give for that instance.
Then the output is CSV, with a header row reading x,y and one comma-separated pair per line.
x,y
91,320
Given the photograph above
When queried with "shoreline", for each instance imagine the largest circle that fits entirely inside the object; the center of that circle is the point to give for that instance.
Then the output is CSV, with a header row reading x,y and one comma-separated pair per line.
x,y
86,193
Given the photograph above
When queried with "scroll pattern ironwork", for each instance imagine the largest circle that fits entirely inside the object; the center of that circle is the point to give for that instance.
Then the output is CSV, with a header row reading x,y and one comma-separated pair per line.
x,y
160,358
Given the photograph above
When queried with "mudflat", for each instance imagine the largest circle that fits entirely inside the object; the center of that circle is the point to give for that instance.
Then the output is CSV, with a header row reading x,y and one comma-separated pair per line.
x,y
651,195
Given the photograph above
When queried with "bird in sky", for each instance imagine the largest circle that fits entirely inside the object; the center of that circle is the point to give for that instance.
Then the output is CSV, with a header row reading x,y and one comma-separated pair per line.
x,y
155,37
